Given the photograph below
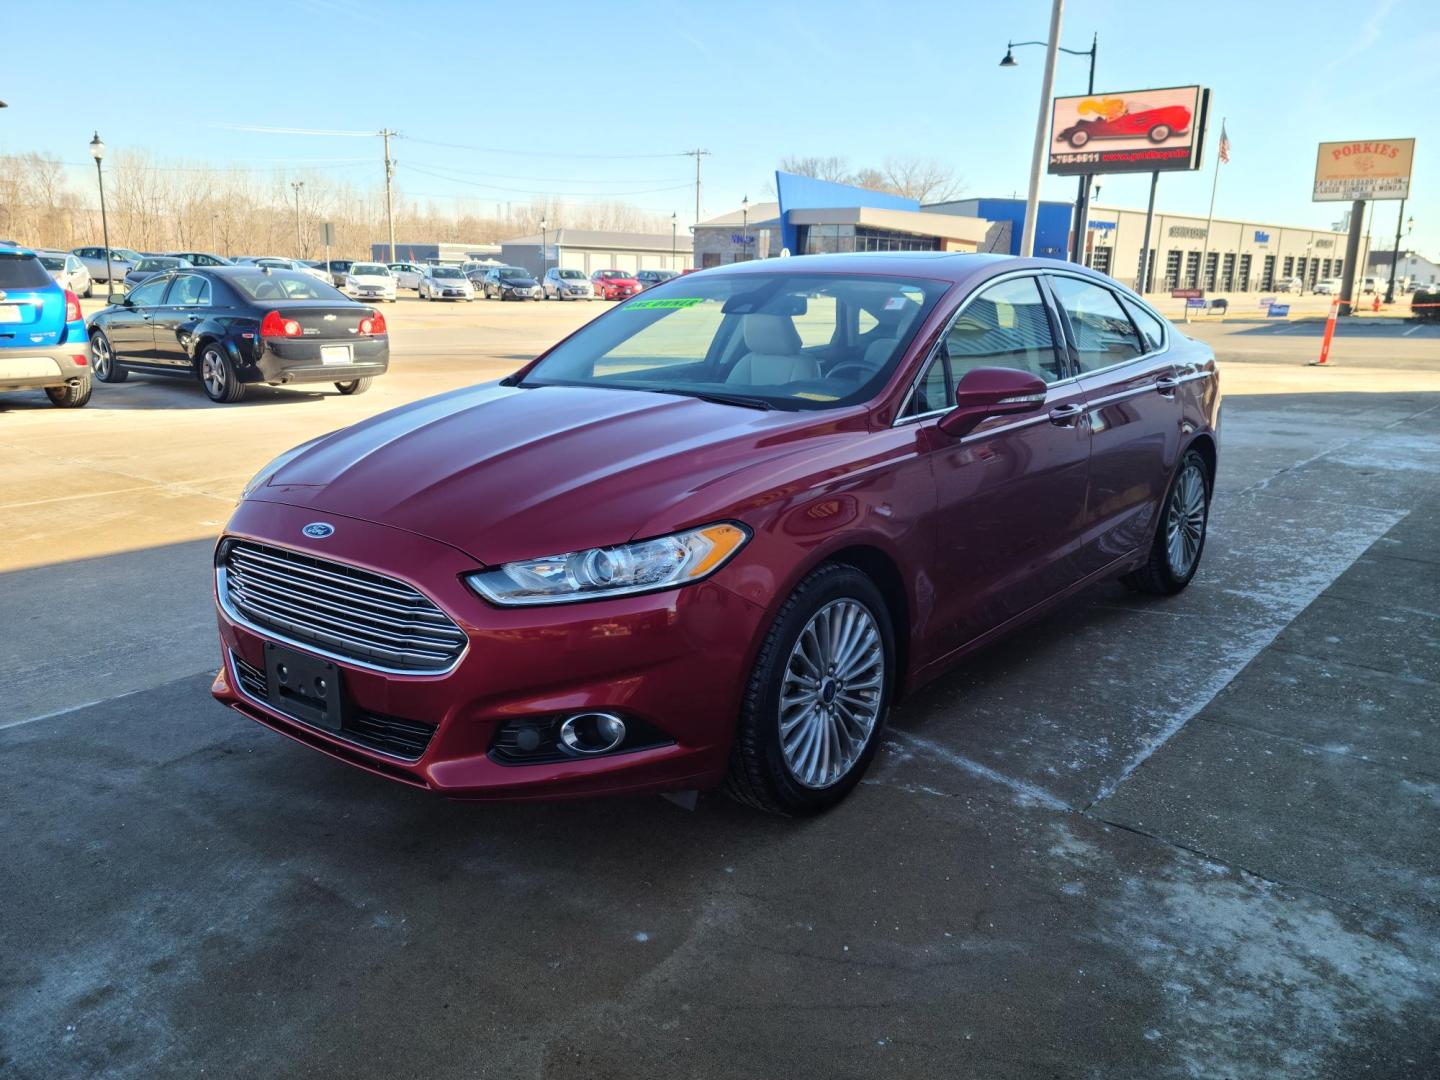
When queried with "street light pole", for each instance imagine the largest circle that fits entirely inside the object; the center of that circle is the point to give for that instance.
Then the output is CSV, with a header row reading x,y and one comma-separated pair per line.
x,y
674,221
297,185
744,223
1395,255
544,260
1042,121
97,151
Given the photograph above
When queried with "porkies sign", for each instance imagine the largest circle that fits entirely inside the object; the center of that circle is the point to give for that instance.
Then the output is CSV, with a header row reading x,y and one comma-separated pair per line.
x,y
1160,130
1345,171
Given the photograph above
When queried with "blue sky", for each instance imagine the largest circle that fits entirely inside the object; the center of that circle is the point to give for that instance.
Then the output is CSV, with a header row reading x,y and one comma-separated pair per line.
x,y
584,97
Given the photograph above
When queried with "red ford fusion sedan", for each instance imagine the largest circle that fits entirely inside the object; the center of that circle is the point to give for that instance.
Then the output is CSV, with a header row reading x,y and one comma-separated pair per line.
x,y
711,536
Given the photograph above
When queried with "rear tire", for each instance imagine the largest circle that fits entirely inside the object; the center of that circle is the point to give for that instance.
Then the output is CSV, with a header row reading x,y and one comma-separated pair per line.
x,y
89,289
1179,534
761,773
355,386
72,395
218,376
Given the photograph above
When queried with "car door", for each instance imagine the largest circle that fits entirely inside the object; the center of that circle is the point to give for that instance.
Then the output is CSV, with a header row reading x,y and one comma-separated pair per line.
x,y
129,325
1011,493
184,304
1129,384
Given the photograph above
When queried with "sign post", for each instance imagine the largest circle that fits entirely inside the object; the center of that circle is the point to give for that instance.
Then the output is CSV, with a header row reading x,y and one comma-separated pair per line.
x,y
327,236
1360,172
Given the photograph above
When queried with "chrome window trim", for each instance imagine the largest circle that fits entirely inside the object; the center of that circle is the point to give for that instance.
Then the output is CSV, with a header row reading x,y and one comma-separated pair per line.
x,y
311,647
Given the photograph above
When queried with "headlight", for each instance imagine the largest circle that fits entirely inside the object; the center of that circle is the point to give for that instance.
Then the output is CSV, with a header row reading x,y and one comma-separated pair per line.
x,y
263,476
644,566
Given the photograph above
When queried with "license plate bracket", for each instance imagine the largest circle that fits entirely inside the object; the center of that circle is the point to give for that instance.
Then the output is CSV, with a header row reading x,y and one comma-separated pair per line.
x,y
305,687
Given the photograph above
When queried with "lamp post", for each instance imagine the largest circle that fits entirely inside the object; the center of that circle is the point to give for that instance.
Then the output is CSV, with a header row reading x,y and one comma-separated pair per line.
x,y
97,151
1395,255
674,226
1082,202
544,259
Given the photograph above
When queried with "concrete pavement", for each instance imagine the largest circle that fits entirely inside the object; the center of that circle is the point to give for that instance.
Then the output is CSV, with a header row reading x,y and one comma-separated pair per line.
x,y
1185,838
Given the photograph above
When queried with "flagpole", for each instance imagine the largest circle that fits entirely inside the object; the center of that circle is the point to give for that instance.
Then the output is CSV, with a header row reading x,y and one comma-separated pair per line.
x,y
1210,221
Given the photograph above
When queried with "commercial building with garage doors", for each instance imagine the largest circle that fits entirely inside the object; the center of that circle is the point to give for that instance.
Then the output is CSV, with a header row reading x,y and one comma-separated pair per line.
x,y
1239,256
589,250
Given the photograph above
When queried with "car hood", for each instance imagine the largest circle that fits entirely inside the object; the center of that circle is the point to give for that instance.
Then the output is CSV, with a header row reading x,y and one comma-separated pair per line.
x,y
507,473
618,281
520,282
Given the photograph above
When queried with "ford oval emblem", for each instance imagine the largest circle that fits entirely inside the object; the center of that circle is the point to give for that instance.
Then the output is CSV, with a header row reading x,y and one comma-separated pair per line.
x,y
318,530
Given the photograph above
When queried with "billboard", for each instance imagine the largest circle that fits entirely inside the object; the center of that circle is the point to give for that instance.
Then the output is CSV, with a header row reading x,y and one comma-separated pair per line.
x,y
1160,130
1346,171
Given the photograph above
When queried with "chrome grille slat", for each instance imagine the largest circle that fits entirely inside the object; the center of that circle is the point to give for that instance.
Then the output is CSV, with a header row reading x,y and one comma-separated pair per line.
x,y
344,611
281,595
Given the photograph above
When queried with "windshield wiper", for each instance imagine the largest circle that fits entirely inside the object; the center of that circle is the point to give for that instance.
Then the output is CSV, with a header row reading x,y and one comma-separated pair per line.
x,y
719,399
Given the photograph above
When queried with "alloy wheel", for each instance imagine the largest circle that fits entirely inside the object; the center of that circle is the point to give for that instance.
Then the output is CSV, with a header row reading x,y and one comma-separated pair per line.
x,y
212,371
830,698
1185,521
100,358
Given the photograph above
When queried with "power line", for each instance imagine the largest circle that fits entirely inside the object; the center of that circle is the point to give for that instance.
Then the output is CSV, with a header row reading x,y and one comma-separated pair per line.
x,y
682,181
527,191
324,163
539,153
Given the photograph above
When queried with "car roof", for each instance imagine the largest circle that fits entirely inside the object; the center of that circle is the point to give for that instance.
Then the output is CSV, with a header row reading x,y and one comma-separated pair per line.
x,y
954,266
15,249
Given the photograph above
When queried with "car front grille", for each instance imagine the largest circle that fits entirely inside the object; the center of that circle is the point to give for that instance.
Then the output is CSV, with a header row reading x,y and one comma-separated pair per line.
x,y
345,612
391,735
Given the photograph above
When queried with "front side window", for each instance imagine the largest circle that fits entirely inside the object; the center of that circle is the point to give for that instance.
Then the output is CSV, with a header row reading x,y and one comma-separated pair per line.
x,y
1103,334
148,293
782,340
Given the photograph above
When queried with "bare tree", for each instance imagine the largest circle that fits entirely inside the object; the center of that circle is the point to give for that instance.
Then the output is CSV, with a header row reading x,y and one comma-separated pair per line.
x,y
832,168
924,179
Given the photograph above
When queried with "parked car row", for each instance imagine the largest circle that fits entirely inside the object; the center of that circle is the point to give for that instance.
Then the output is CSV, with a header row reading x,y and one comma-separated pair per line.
x,y
228,326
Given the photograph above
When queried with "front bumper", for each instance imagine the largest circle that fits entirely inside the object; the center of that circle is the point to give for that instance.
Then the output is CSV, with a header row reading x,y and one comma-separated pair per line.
x,y
35,369
674,661
296,360
364,292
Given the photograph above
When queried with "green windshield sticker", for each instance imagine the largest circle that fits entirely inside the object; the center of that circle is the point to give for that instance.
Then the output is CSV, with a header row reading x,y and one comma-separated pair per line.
x,y
664,305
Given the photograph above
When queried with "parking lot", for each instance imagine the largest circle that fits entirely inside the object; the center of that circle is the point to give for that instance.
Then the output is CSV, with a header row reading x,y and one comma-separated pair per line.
x,y
1195,838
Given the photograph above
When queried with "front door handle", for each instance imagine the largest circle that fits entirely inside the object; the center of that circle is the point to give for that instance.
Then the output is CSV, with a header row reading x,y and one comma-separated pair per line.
x,y
1065,415
1167,384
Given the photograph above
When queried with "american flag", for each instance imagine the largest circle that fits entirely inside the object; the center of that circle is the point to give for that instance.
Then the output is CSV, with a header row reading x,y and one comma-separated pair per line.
x,y
1224,146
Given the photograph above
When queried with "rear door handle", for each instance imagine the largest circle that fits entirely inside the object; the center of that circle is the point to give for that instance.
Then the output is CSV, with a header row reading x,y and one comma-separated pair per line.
x,y
1064,415
1167,384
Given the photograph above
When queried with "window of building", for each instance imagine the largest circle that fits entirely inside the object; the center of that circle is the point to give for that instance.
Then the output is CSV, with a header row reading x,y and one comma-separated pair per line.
x,y
1103,333
1325,272
1227,273
1192,269
1267,275
1100,260
1244,282
1211,262
1145,281
709,258
1339,267
1289,267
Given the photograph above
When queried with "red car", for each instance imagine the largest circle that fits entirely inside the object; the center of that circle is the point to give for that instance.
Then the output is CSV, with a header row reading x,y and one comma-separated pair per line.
x,y
1157,125
614,284
711,536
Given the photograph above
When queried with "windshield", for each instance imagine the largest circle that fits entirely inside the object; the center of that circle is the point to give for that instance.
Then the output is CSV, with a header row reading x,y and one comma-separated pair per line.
x,y
122,253
157,264
370,268
781,340
446,272
285,285
611,273
570,274
514,273
21,272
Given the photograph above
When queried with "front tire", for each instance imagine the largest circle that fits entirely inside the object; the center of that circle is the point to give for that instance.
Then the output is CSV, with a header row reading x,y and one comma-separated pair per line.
x,y
1179,534
815,705
355,386
218,376
102,360
72,395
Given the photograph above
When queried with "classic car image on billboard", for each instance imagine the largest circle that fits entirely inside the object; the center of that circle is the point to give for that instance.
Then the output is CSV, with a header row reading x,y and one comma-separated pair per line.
x,y
1135,131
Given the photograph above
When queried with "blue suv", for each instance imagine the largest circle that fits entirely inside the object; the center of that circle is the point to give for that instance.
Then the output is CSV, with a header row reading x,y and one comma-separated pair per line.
x,y
43,344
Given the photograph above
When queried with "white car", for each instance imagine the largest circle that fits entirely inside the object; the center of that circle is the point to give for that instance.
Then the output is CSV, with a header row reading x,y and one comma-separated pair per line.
x,y
446,283
369,281
407,275
1328,287
68,270
278,262
562,283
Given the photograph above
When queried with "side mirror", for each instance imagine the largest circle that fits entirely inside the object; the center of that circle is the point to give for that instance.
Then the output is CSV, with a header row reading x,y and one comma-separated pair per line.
x,y
986,392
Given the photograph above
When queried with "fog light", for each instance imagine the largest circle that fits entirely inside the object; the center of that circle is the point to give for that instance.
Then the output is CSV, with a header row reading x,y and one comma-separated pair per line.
x,y
593,733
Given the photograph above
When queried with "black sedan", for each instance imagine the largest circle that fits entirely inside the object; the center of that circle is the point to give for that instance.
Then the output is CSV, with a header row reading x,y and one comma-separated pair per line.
x,y
230,326
511,283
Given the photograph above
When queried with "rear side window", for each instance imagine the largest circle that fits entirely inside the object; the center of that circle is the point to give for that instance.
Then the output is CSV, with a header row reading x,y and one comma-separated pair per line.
x,y
1103,333
22,272
1150,326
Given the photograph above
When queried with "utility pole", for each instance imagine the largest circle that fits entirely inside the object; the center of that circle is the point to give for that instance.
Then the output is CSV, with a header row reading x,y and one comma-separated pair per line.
x,y
389,195
1395,255
697,154
299,247
1042,126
